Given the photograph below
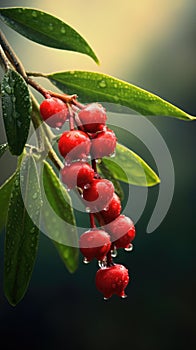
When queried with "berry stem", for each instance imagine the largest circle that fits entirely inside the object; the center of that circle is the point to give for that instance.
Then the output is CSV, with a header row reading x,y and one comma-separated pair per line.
x,y
109,259
94,165
92,220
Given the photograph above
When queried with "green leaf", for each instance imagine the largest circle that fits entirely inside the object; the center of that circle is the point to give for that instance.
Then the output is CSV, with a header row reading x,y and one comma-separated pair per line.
x,y
16,107
91,86
56,226
5,192
106,172
21,233
3,148
45,29
128,167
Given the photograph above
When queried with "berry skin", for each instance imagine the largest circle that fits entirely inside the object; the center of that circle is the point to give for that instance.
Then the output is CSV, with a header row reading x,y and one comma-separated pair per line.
x,y
93,117
112,280
94,244
112,211
122,231
54,112
98,194
103,144
77,174
74,145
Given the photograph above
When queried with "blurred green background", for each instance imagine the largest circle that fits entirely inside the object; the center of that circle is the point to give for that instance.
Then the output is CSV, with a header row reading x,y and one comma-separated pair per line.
x,y
150,43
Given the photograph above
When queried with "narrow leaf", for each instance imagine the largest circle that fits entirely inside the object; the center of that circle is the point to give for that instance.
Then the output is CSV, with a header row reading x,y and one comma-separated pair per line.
x,y
5,192
3,148
91,86
16,107
21,232
106,172
56,221
128,167
45,29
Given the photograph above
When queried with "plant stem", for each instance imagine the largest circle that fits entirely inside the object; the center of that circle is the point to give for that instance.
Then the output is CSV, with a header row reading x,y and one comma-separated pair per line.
x,y
12,56
92,220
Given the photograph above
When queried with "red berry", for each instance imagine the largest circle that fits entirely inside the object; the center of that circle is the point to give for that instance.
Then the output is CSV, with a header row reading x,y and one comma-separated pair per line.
x,y
77,174
54,112
93,117
98,194
112,211
103,144
122,231
94,244
74,144
112,280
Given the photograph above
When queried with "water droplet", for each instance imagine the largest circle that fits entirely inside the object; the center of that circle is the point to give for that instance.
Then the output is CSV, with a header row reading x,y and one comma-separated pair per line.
x,y
115,85
105,298
102,84
86,186
63,30
34,14
57,128
124,296
129,248
116,98
88,210
35,195
102,263
114,252
85,261
50,26
112,155
8,89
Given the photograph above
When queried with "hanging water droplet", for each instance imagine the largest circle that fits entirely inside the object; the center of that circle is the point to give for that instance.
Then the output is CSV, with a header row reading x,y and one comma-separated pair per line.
x,y
124,296
88,210
102,84
114,252
105,298
34,14
85,261
129,248
63,30
102,263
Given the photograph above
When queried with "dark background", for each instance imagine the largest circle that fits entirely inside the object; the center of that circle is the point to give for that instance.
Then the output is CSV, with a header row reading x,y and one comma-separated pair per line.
x,y
61,310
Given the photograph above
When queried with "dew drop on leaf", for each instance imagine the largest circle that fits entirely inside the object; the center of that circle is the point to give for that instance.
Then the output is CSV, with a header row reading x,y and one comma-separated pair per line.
x,y
102,84
34,14
63,30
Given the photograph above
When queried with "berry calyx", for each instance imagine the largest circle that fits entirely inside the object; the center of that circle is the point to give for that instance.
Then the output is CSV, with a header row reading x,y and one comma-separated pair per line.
x,y
112,211
54,112
74,145
94,244
112,280
103,144
77,174
93,117
98,194
122,231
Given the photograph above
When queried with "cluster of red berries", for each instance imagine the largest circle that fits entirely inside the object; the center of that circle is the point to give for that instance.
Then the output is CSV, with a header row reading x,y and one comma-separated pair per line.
x,y
89,138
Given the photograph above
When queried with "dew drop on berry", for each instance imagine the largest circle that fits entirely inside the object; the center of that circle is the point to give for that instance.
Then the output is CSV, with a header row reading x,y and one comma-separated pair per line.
x,y
114,252
129,248
88,210
86,186
105,298
85,261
